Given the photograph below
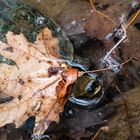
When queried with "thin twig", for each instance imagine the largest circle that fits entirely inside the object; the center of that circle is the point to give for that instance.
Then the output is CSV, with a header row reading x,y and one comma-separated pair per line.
x,y
92,4
133,19
116,45
102,129
105,69
100,13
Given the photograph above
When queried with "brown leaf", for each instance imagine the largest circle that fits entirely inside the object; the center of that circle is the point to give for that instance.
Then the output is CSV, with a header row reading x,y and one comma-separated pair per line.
x,y
98,26
35,93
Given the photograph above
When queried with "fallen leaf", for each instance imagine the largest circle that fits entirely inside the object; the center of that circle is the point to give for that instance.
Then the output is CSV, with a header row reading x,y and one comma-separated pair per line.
x,y
35,92
98,26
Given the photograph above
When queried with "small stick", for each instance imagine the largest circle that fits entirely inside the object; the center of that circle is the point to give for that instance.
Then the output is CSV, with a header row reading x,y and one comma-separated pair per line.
x,y
100,13
105,69
92,4
133,19
116,45
102,129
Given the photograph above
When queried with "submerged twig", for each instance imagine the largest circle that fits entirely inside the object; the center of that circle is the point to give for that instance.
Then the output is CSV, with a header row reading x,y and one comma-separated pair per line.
x,y
105,69
102,129
133,19
100,13
116,45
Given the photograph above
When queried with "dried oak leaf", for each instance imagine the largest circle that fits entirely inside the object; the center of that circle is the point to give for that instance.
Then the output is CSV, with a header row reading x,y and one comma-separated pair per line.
x,y
24,76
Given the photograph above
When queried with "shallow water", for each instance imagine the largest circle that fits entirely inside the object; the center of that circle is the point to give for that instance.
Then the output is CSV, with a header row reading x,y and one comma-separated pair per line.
x,y
122,114
72,17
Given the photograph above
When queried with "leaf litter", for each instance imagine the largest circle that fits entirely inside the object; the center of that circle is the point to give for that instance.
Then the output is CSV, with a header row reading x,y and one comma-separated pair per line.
x,y
52,73
35,92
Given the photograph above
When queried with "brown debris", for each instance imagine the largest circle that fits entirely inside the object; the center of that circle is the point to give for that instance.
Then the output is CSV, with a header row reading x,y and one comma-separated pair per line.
x,y
39,97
